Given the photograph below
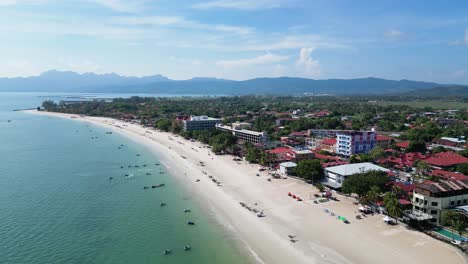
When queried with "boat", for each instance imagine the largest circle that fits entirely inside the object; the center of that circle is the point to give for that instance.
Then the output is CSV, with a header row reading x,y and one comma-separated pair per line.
x,y
145,187
167,251
163,204
187,211
197,180
158,185
190,223
108,133
187,247
121,167
148,173
110,178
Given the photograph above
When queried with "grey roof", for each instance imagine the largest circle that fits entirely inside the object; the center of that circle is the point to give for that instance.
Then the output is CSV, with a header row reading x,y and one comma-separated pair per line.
x,y
288,164
350,169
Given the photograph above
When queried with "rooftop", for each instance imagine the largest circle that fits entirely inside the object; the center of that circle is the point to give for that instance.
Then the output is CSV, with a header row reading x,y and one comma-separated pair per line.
x,y
202,118
446,159
350,169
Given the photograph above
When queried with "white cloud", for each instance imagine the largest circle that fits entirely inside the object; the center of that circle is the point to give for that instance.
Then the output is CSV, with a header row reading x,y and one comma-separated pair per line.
x,y
121,5
259,60
394,34
306,65
464,42
181,22
458,74
243,4
294,42
16,2
466,37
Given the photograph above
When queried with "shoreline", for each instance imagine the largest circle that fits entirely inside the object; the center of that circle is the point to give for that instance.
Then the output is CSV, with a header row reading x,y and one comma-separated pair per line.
x,y
321,238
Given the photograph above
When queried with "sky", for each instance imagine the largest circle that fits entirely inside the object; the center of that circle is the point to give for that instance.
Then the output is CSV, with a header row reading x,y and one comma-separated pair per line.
x,y
238,39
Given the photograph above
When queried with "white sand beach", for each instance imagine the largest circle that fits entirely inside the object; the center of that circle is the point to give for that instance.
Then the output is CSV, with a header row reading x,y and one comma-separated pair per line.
x,y
321,238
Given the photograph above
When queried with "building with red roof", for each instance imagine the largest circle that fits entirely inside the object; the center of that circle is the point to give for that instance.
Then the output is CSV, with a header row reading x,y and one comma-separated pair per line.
x,y
446,159
403,144
448,175
383,141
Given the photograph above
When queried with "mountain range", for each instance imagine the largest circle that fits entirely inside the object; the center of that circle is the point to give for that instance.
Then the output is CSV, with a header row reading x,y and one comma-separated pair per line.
x,y
66,81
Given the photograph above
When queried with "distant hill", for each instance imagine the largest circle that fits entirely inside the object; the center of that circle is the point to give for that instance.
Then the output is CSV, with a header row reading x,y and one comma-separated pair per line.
x,y
59,81
446,91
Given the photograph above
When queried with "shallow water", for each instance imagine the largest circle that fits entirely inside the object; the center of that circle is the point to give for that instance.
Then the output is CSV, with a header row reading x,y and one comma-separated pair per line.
x,y
59,205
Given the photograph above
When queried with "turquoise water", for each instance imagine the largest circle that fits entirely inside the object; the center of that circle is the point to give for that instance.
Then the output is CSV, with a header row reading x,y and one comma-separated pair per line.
x,y
58,205
451,235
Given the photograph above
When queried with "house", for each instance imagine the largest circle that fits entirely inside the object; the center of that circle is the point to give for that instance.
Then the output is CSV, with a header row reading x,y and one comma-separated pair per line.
x,y
436,197
446,159
383,141
403,144
448,175
286,168
336,175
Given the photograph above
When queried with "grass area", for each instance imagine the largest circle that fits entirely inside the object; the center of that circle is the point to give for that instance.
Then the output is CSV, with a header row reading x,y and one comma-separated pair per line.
x,y
435,104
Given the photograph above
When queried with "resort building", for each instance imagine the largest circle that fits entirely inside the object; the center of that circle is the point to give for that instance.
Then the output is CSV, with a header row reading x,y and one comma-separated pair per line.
x,y
336,175
354,142
200,123
435,197
244,134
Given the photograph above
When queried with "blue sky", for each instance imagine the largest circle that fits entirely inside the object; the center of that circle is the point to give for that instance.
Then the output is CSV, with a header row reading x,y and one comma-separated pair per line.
x,y
238,39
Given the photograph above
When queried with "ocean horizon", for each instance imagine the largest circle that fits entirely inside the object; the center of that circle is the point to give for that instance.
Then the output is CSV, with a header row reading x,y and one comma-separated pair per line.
x,y
71,193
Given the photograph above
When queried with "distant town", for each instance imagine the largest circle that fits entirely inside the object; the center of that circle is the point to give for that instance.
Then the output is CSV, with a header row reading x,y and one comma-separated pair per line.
x,y
407,161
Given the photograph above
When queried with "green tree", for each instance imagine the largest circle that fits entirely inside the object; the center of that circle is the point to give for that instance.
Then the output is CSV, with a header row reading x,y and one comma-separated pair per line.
x,y
416,146
49,105
320,187
309,169
164,124
392,205
463,168
361,183
377,153
373,194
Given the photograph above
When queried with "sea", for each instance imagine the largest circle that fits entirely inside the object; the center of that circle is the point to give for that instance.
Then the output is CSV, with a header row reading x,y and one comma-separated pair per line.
x,y
72,193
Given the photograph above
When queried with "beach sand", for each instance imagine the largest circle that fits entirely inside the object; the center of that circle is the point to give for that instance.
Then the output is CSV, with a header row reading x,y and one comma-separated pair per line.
x,y
321,238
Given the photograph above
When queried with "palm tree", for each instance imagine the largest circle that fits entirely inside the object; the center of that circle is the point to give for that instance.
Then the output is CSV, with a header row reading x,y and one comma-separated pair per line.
x,y
392,206
373,194
459,225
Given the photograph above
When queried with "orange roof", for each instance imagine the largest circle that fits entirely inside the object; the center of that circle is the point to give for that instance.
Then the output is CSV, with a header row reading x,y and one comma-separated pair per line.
x,y
383,138
403,144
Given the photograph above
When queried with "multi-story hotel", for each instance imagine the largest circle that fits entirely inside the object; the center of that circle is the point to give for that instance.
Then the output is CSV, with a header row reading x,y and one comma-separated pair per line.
x,y
244,134
354,142
200,123
436,197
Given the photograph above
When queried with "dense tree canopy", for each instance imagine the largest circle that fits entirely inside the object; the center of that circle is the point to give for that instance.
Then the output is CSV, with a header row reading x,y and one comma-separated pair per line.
x,y
361,183
310,170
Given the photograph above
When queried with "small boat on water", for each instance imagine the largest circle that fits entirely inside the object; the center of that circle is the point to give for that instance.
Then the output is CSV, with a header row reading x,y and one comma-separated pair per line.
x,y
157,164
138,155
145,187
187,211
187,247
167,252
136,166
110,178
190,223
148,173
121,167
163,204
109,133
158,185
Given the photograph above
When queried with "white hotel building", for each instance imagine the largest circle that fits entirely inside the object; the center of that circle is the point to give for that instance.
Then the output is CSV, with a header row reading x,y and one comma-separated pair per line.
x,y
244,134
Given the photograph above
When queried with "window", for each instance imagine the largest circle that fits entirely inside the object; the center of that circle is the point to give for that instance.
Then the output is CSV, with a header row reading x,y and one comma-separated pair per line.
x,y
434,203
464,201
417,199
425,202
433,212
452,202
458,202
